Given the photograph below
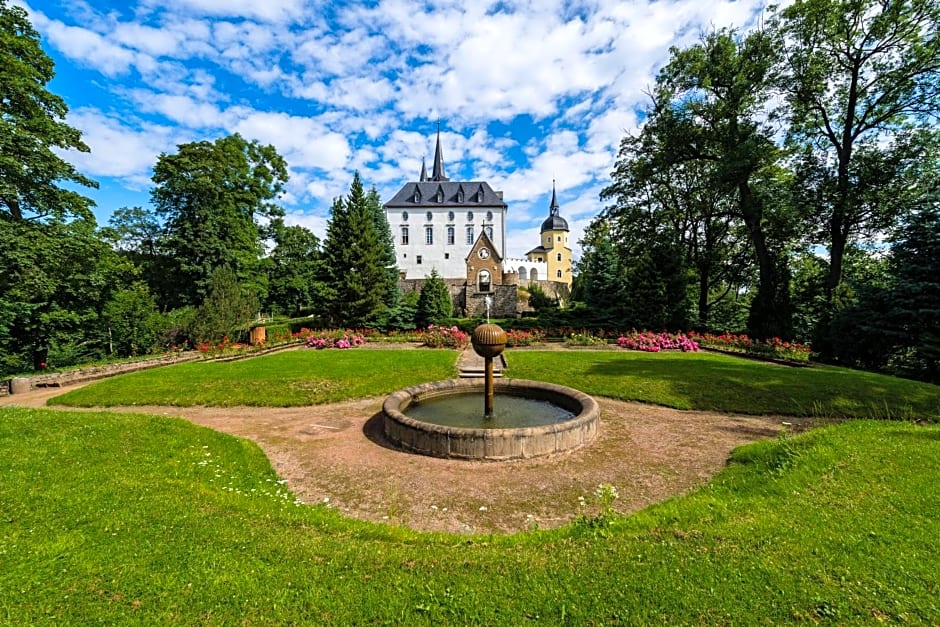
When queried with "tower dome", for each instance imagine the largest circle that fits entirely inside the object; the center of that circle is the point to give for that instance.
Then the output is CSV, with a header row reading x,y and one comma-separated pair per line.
x,y
554,222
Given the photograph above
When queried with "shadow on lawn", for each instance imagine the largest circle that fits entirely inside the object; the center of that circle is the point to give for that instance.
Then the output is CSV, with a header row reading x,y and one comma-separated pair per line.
x,y
738,385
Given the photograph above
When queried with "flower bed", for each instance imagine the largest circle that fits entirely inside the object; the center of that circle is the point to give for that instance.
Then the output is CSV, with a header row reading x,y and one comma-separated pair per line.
x,y
437,336
774,348
331,338
518,337
656,342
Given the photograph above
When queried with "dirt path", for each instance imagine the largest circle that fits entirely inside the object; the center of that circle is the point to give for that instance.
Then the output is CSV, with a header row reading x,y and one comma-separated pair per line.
x,y
336,454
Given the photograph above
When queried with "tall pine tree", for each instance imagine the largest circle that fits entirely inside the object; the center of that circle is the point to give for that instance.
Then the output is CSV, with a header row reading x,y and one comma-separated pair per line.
x,y
354,263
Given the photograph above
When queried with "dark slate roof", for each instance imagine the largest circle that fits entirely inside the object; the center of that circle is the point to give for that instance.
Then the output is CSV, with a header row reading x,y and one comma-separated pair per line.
x,y
460,194
554,222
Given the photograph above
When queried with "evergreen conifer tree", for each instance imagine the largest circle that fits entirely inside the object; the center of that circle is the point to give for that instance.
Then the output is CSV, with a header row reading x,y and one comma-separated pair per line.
x,y
354,259
434,302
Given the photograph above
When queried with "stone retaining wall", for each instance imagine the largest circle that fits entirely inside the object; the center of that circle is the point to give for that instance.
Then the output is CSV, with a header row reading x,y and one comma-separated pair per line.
x,y
19,385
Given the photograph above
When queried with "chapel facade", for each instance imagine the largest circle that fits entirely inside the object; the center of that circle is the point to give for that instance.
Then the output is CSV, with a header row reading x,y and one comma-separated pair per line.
x,y
458,229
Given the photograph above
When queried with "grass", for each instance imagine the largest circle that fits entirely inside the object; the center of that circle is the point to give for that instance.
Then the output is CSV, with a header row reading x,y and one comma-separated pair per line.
x,y
703,381
127,519
286,379
706,381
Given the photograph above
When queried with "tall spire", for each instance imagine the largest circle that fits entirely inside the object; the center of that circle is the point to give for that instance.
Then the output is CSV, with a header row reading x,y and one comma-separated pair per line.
x,y
554,206
437,172
424,171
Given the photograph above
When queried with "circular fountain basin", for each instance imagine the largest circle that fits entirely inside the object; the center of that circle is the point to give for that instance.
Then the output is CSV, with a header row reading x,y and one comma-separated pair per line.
x,y
568,422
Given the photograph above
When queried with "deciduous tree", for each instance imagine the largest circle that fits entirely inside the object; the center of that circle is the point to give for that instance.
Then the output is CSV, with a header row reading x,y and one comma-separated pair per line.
x,y
32,129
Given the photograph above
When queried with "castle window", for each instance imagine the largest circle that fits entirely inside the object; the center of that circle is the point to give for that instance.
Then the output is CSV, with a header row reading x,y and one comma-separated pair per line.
x,y
404,216
460,195
429,216
404,235
417,194
418,260
429,235
489,216
558,257
450,216
483,281
559,238
558,273
446,255
469,216
534,274
440,195
489,231
470,235
480,195
450,235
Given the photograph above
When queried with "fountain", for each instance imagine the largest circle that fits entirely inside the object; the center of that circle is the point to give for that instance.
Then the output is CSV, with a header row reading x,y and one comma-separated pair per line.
x,y
519,418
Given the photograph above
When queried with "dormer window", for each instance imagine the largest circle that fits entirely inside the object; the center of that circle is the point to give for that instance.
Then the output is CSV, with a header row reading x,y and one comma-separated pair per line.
x,y
440,195
460,195
417,194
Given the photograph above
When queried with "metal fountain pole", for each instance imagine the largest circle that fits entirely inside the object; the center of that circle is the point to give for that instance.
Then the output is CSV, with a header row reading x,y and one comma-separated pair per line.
x,y
488,341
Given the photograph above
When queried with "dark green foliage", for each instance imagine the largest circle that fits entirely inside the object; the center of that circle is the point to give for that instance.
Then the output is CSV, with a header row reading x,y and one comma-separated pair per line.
x,y
138,235
403,316
539,300
434,303
130,321
294,271
54,281
33,130
600,284
210,195
354,263
857,75
387,247
227,309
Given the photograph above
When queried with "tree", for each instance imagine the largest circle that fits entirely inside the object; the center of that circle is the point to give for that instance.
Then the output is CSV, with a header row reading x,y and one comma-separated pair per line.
x,y
387,246
354,263
227,309
137,234
434,301
679,201
600,283
210,195
32,129
131,322
540,301
55,279
707,106
294,285
914,315
857,73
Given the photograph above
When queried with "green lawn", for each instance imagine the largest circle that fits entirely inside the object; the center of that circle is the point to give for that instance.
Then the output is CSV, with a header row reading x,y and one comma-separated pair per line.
x,y
682,380
710,381
125,519
287,379
129,519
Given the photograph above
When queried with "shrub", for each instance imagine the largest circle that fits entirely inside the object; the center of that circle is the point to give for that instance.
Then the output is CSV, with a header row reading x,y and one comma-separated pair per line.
x,y
656,342
445,337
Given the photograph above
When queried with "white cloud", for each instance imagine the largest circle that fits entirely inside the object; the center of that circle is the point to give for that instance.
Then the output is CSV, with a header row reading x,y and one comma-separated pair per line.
x,y
265,10
117,148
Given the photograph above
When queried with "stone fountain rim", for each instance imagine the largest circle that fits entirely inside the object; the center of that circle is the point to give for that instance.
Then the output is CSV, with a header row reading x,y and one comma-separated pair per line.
x,y
566,435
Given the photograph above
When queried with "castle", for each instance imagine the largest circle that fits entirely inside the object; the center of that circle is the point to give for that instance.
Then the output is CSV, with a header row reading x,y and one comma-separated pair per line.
x,y
458,229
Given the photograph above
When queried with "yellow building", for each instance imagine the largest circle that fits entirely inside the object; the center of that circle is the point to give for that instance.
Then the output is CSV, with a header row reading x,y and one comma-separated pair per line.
x,y
553,249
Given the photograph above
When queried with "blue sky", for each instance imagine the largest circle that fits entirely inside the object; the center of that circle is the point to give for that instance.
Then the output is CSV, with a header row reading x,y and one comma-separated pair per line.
x,y
526,91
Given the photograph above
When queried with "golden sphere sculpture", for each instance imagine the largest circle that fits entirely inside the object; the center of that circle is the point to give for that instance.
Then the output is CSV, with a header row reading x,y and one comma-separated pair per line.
x,y
488,340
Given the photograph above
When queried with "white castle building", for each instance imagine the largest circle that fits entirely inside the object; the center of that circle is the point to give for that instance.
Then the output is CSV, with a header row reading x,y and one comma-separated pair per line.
x,y
458,229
